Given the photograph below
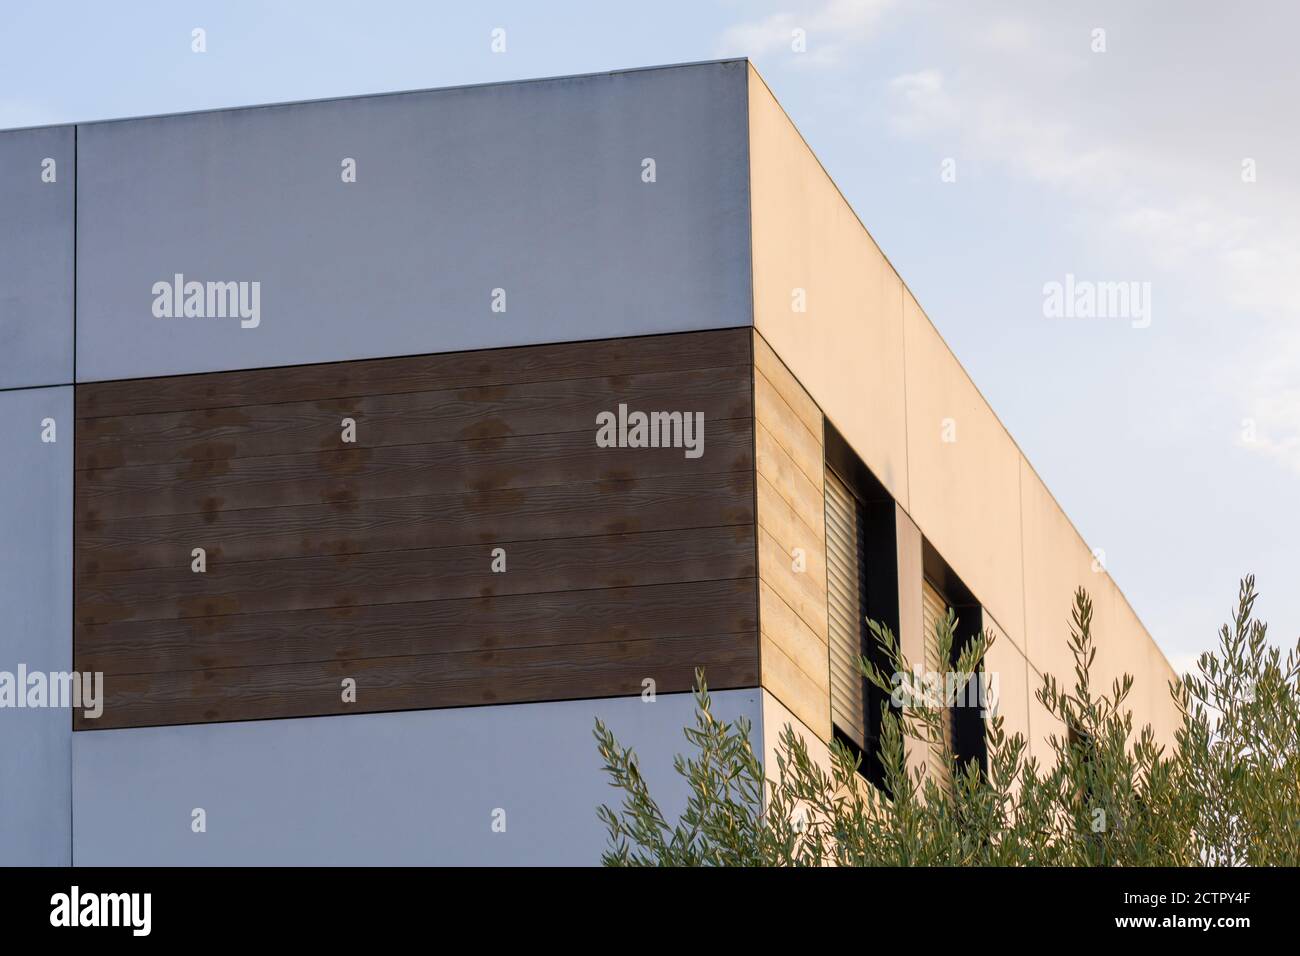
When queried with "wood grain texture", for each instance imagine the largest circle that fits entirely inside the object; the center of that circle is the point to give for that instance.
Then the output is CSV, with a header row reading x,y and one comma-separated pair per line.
x,y
780,471
426,574
373,560
770,366
345,476
490,516
510,675
420,628
802,446
791,517
490,411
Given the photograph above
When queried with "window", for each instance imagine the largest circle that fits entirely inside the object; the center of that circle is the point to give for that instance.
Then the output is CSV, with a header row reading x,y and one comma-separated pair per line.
x,y
934,610
963,720
846,586
861,585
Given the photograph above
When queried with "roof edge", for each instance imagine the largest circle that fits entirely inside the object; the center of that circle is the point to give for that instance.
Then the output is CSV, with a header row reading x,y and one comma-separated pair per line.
x,y
376,95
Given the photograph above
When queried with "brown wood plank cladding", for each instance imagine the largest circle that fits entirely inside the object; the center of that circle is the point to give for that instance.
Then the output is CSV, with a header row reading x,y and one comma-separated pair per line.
x,y
352,474
372,560
493,411
508,676
429,574
420,628
666,503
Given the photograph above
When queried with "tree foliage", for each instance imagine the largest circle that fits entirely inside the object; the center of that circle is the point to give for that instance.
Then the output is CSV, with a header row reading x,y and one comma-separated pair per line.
x,y
1227,792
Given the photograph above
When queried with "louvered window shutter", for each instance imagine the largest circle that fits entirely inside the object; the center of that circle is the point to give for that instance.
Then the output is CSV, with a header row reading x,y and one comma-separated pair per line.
x,y
846,580
934,609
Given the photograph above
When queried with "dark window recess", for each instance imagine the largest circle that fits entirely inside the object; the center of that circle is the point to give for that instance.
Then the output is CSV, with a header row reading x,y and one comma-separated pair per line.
x,y
942,589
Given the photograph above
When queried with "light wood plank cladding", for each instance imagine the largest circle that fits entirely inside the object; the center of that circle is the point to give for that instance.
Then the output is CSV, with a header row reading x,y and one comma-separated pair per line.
x,y
790,462
373,560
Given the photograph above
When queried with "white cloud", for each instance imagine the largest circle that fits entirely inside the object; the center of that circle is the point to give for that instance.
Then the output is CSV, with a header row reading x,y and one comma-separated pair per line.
x,y
1137,155
1031,98
832,29
926,107
1006,35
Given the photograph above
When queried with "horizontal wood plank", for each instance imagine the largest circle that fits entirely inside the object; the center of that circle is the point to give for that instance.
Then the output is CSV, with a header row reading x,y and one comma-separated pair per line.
x,y
420,628
805,593
345,477
806,698
405,418
801,445
509,675
770,366
773,463
791,530
666,503
429,574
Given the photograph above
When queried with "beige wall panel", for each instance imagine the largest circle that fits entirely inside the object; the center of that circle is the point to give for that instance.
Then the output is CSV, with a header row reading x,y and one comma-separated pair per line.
x,y
911,572
964,493
1166,719
1121,647
847,348
776,717
1014,696
1163,712
1057,561
1043,725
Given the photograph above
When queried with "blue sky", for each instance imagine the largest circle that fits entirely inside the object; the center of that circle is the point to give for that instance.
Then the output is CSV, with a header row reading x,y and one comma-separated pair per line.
x,y
1174,448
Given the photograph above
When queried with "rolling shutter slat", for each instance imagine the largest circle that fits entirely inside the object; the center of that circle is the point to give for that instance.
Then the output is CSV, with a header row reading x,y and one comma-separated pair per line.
x,y
846,575
934,610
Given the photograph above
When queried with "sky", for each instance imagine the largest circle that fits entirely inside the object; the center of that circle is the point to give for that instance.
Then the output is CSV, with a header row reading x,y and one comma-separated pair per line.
x,y
991,148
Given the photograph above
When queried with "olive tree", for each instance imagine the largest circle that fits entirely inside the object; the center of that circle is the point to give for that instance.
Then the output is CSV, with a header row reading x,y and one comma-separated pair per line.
x,y
1227,793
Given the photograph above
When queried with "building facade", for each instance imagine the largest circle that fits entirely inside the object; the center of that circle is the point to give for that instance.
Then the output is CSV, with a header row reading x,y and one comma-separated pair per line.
x,y
370,449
